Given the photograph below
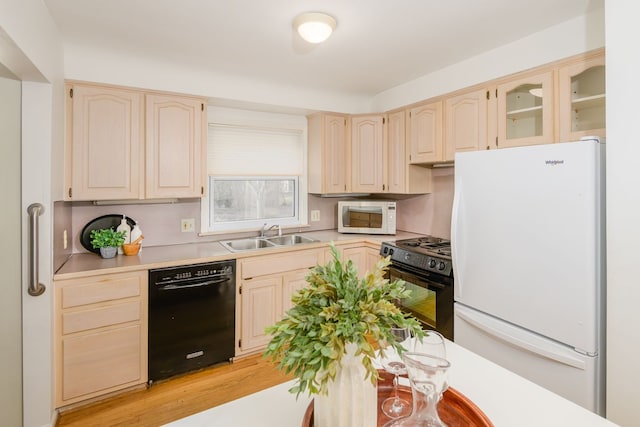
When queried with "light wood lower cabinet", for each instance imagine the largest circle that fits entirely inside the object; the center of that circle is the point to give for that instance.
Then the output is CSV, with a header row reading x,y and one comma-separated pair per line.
x,y
100,335
363,257
372,257
261,307
266,284
292,282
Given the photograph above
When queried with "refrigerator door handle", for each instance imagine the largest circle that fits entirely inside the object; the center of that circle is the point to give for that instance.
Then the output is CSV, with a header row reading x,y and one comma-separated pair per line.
x,y
455,229
505,336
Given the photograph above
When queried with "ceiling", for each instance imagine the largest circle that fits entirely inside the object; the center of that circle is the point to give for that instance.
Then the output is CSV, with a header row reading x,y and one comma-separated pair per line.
x,y
376,46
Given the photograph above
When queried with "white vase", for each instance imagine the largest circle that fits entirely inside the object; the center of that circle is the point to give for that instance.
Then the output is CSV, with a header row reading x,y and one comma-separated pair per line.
x,y
352,400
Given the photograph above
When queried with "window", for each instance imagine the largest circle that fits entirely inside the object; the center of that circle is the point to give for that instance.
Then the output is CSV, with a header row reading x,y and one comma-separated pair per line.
x,y
241,202
256,166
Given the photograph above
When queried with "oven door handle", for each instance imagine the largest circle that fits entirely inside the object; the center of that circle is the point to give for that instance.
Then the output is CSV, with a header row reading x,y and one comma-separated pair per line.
x,y
415,279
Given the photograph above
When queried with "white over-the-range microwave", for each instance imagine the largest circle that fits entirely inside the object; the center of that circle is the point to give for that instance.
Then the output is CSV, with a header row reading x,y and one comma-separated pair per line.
x,y
367,217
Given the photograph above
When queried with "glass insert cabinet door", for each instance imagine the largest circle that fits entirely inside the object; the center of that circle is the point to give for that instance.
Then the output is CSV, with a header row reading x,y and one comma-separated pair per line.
x,y
525,111
582,99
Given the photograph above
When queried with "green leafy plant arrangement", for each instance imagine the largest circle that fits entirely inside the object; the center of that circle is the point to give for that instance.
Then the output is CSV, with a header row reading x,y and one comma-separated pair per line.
x,y
106,237
336,308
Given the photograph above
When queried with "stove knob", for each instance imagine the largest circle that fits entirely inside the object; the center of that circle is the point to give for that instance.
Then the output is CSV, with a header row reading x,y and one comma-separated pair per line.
x,y
442,265
432,263
391,251
385,250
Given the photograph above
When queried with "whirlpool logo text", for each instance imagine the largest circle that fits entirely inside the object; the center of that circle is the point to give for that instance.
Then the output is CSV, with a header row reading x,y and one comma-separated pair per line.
x,y
554,162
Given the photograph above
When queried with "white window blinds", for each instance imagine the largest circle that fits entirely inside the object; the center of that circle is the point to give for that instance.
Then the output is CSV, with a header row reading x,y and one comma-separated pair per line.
x,y
246,151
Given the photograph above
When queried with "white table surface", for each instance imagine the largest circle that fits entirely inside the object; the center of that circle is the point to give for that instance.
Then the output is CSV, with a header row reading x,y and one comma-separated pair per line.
x,y
506,398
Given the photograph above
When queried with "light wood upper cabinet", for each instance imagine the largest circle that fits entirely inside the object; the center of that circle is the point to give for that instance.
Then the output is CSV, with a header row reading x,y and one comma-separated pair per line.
x,y
466,120
328,168
367,154
128,144
104,143
525,110
175,146
424,133
581,98
396,153
402,177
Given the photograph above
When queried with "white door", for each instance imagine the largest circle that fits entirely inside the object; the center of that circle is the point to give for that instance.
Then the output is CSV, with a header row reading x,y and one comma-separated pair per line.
x,y
41,128
37,125
525,234
10,286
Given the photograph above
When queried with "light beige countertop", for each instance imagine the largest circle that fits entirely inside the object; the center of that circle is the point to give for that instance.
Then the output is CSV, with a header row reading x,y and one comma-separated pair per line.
x,y
89,264
507,399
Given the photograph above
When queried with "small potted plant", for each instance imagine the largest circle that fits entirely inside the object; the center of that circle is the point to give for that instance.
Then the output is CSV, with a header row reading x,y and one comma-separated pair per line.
x,y
107,240
334,326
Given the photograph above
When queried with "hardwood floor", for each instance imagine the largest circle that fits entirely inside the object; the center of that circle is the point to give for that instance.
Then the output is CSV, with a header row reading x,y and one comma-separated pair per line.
x,y
177,398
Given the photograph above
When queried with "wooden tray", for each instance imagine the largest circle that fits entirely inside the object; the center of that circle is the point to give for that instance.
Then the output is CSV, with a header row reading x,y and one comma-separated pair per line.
x,y
455,409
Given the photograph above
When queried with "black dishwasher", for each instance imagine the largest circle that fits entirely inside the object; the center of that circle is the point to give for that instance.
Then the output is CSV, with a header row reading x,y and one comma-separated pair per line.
x,y
191,317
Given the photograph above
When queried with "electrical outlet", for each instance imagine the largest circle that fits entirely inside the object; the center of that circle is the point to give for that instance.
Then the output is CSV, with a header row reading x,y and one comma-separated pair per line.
x,y
188,225
315,216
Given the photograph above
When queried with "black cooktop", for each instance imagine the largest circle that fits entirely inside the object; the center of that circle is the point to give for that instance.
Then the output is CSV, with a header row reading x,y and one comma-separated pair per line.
x,y
426,253
428,245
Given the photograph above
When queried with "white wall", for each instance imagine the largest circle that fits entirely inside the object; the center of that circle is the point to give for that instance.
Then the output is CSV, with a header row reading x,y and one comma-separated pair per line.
x,y
623,212
10,307
106,67
566,39
561,41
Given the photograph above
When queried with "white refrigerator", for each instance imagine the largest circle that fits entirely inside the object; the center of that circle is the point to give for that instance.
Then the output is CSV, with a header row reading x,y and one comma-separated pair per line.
x,y
528,253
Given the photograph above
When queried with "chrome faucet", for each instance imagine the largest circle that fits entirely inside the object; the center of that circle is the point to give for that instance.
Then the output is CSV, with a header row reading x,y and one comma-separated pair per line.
x,y
264,229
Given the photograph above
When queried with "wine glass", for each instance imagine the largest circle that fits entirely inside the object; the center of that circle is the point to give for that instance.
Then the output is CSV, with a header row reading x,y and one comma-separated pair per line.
x,y
395,407
433,343
428,377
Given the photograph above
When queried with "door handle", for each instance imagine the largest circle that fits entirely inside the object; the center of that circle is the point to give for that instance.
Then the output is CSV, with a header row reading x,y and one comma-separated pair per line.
x,y
516,341
456,226
35,287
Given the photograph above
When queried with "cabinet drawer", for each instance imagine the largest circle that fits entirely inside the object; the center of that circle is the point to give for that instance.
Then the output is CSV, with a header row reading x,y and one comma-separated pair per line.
x,y
77,321
261,266
102,361
103,289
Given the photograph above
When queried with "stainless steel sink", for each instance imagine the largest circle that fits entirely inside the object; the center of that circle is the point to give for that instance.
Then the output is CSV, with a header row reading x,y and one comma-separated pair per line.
x,y
249,244
290,239
254,243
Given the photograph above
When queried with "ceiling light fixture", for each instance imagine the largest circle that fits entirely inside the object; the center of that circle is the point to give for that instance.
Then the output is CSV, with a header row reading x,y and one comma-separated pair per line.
x,y
314,27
